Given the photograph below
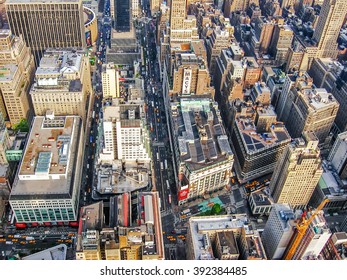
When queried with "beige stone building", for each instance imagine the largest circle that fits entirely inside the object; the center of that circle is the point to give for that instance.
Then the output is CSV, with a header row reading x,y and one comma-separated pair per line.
x,y
297,173
16,74
62,83
331,18
183,27
190,76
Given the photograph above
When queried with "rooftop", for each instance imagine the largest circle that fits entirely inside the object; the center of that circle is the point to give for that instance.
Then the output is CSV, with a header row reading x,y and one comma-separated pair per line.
x,y
189,59
58,63
200,226
318,98
254,141
49,156
227,243
7,73
52,254
201,134
260,198
112,179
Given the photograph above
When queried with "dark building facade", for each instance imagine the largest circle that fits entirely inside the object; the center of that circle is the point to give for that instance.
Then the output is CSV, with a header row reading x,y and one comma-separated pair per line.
x,y
122,15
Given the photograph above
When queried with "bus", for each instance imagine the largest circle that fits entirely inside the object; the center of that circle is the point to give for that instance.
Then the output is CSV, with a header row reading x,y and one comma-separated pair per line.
x,y
165,164
157,156
169,198
161,165
91,138
93,115
167,184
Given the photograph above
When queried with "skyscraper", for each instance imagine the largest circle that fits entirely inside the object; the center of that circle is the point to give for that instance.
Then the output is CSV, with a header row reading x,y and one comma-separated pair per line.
x,y
125,132
303,107
258,141
331,18
16,74
46,23
281,41
182,27
122,15
338,155
278,231
297,172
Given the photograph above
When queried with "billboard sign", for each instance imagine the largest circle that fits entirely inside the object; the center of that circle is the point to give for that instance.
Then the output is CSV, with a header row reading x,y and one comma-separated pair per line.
x,y
187,78
88,38
183,194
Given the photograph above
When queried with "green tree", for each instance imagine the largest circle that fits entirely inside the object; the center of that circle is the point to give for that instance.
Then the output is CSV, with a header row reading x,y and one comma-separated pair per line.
x,y
22,126
216,209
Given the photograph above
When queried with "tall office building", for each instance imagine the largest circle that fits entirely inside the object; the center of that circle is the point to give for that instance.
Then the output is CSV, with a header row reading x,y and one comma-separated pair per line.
x,y
331,18
297,173
62,83
303,107
262,34
258,141
190,76
183,27
17,72
110,81
47,185
338,155
278,231
46,23
218,40
122,20
281,41
126,136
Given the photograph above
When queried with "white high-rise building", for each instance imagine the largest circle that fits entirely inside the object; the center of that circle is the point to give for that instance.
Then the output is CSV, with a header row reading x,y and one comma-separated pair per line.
x,y
125,133
278,231
338,155
110,81
297,173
